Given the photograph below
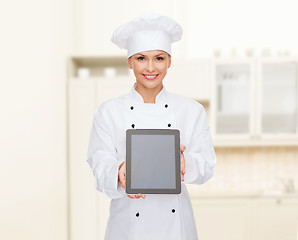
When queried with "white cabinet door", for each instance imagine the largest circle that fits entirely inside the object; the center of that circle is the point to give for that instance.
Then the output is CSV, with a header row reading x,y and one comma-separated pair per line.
x,y
82,205
107,88
233,98
278,97
225,219
275,219
246,218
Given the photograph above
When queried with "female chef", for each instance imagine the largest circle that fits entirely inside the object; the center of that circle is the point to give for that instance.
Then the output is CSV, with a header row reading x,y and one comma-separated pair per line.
x,y
148,105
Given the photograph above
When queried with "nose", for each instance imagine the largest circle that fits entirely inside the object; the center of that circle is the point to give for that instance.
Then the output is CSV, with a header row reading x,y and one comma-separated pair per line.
x,y
150,66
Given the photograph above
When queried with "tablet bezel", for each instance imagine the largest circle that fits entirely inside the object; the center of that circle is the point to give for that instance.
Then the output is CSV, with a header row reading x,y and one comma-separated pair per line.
x,y
176,134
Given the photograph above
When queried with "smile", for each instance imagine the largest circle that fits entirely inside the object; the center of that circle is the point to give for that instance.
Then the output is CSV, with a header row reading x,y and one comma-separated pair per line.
x,y
150,77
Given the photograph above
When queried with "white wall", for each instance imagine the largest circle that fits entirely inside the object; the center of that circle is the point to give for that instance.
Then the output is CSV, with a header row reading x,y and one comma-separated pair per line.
x,y
97,20
240,25
231,26
33,168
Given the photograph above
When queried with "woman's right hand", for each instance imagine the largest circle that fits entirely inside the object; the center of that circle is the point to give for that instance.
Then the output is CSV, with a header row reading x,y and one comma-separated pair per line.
x,y
121,178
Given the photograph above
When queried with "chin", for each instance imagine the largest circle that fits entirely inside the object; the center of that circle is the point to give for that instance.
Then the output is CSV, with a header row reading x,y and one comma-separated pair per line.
x,y
151,84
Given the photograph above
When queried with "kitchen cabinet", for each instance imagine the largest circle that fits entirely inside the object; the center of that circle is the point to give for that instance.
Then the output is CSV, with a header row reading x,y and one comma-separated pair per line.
x,y
82,197
222,218
275,219
233,98
103,78
277,110
254,217
254,102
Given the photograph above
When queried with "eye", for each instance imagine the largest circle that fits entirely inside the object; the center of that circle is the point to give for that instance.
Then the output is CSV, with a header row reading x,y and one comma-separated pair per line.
x,y
140,58
159,58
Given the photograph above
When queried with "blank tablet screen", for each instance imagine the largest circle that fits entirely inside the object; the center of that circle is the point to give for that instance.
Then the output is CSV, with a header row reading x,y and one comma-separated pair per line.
x,y
151,157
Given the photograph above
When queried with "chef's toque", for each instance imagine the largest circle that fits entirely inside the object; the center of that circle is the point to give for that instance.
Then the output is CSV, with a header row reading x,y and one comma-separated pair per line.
x,y
148,32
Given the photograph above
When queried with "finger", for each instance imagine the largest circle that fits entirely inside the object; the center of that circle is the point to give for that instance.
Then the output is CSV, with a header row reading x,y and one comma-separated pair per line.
x,y
138,196
182,147
131,196
182,163
182,167
122,179
142,196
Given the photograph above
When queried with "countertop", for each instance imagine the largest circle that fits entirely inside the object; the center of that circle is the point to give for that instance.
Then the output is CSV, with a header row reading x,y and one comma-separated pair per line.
x,y
244,195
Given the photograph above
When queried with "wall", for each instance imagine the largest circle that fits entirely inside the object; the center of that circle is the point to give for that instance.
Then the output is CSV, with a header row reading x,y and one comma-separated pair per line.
x,y
33,171
231,27
251,170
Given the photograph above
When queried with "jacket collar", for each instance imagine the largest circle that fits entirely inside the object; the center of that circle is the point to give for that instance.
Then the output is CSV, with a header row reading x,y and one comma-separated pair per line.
x,y
161,96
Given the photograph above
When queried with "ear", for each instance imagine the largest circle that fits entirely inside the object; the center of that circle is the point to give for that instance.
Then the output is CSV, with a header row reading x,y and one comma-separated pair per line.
x,y
129,62
169,61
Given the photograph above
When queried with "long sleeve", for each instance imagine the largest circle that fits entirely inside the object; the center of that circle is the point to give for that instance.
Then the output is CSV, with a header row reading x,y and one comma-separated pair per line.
x,y
102,154
199,153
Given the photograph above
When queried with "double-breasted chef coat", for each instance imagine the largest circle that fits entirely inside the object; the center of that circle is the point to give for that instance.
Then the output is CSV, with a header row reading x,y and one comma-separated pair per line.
x,y
157,216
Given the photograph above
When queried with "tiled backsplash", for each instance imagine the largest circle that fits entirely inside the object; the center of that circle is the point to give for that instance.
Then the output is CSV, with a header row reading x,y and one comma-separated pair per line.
x,y
251,170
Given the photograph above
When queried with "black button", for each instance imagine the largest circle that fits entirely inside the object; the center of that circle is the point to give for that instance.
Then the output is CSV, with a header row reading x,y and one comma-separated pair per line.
x,y
166,105
133,126
131,107
173,210
137,214
169,125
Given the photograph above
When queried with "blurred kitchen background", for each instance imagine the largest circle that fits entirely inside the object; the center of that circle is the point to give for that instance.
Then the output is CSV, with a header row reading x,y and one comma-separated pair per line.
x,y
237,58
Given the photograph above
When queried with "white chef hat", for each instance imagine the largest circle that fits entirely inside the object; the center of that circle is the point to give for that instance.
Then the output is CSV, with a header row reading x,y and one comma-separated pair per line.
x,y
148,32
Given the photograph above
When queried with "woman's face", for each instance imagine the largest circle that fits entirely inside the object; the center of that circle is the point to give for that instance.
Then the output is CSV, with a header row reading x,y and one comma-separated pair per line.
x,y
150,67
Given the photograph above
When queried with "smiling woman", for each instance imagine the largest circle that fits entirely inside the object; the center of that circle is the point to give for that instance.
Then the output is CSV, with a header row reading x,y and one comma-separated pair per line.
x,y
150,68
149,106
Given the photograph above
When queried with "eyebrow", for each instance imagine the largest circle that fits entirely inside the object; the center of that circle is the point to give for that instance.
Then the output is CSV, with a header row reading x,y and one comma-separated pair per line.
x,y
154,56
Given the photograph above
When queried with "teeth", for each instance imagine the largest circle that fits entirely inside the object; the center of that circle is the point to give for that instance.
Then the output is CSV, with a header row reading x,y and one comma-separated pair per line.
x,y
148,76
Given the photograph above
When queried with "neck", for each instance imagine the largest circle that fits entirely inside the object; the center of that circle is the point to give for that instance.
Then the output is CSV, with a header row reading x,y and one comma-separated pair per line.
x,y
148,94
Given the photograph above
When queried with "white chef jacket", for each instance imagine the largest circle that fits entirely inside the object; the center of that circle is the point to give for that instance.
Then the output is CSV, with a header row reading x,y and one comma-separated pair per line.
x,y
158,216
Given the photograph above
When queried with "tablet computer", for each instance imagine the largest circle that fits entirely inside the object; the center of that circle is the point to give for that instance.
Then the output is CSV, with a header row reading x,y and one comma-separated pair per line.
x,y
153,161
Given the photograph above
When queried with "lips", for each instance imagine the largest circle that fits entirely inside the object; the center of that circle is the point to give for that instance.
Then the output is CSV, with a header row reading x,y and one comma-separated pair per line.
x,y
150,76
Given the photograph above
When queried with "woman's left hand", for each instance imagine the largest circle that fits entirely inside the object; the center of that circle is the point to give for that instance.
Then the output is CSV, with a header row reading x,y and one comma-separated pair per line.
x,y
182,159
